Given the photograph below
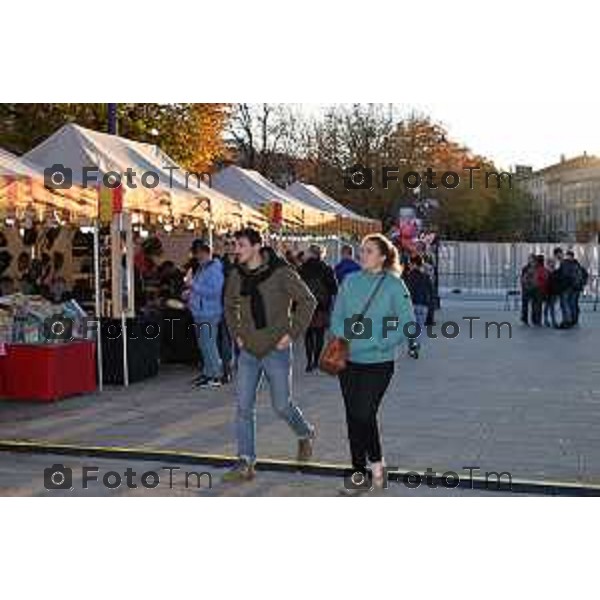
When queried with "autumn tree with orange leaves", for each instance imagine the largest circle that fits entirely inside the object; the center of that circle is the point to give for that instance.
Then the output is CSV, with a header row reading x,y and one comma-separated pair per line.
x,y
192,134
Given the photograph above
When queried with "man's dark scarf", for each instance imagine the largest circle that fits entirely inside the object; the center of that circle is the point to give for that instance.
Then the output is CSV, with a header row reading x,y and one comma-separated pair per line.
x,y
250,281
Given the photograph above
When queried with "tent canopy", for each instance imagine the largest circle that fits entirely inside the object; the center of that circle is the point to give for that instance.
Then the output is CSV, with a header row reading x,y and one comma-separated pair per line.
x,y
22,184
76,147
12,166
311,194
251,187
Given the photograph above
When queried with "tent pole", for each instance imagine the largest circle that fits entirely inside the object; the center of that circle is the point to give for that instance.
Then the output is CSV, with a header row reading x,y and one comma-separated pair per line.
x,y
119,284
125,357
210,226
98,304
113,126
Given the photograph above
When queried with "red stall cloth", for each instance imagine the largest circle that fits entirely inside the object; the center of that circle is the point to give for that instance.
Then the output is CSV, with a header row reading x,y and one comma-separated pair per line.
x,y
47,372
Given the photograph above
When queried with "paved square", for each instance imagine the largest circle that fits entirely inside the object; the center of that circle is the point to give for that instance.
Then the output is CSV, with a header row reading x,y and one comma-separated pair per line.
x,y
529,405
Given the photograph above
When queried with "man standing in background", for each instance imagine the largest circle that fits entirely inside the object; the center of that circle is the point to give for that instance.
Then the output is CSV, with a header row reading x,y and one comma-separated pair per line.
x,y
206,305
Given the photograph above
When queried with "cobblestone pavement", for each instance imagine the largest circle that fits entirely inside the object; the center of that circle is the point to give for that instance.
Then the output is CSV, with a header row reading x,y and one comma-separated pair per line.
x,y
529,405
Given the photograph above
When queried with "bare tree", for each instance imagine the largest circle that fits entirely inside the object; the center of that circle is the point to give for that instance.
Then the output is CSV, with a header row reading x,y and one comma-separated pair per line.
x,y
265,136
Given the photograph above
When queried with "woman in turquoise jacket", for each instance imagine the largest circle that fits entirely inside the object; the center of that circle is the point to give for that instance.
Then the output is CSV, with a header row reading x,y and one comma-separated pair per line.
x,y
373,342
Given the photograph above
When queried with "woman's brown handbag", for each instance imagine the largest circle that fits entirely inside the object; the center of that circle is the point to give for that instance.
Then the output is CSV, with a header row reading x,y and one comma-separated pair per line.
x,y
335,355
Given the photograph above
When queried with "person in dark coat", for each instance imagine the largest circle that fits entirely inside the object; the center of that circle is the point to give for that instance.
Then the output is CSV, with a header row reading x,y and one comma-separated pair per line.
x,y
227,349
420,287
581,279
551,296
567,275
320,279
527,288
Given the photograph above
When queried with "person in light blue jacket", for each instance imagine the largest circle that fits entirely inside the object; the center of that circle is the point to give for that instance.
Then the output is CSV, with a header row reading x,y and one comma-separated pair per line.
x,y
206,305
373,340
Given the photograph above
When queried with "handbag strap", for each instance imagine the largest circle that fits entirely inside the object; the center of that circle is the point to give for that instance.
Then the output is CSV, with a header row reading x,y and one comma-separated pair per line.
x,y
372,296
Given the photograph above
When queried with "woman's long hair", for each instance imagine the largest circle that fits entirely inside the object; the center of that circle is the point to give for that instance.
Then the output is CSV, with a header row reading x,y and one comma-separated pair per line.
x,y
391,263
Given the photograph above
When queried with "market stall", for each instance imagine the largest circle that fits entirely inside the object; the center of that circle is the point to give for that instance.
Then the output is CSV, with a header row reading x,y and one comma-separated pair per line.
x,y
156,190
167,205
36,229
45,353
251,188
346,222
120,251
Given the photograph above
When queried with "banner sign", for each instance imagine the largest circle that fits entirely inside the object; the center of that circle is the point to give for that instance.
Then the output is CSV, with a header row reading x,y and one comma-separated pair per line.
x,y
274,212
110,202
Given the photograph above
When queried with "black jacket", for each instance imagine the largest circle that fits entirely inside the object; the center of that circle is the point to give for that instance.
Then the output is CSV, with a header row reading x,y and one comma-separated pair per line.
x,y
566,275
420,287
320,279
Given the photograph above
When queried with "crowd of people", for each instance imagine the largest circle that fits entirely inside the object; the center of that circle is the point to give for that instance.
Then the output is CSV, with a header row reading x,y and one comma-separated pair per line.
x,y
250,304
550,285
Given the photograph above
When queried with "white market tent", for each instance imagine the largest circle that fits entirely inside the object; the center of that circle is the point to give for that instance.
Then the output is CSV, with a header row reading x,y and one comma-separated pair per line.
x,y
22,186
10,164
252,188
311,194
76,147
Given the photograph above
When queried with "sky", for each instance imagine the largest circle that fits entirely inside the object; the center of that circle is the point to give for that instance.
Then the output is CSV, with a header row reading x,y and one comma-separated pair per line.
x,y
515,133
523,133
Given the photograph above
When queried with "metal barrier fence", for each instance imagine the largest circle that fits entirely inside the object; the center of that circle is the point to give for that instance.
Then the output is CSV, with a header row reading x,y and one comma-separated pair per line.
x,y
493,269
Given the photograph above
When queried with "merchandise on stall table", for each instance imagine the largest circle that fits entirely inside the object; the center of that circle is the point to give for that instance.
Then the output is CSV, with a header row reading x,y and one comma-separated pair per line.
x,y
24,320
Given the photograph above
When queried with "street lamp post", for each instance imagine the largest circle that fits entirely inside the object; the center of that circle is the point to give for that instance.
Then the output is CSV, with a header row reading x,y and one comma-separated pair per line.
x,y
113,126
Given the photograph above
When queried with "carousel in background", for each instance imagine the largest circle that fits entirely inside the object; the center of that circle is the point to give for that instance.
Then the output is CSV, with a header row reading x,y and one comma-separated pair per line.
x,y
412,234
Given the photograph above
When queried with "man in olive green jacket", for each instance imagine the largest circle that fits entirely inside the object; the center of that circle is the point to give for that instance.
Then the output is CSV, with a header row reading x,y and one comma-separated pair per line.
x,y
267,306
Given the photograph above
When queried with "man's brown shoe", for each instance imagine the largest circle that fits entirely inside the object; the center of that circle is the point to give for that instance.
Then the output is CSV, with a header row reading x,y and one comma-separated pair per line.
x,y
240,473
305,448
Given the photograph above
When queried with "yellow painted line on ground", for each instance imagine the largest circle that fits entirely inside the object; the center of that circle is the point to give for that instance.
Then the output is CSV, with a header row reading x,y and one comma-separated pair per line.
x,y
522,485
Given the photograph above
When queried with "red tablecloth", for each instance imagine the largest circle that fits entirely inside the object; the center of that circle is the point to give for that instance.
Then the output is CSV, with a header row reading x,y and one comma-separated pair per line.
x,y
47,372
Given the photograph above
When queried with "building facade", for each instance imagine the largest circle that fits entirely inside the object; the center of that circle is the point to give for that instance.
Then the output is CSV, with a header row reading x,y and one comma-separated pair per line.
x,y
566,198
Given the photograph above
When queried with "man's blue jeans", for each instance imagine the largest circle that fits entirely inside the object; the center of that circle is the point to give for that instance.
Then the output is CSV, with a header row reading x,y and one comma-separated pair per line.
x,y
421,311
277,367
207,332
568,306
549,311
